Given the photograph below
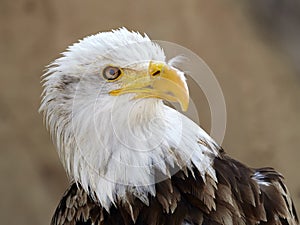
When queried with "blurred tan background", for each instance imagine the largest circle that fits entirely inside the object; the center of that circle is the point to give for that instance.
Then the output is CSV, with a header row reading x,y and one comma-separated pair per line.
x,y
252,47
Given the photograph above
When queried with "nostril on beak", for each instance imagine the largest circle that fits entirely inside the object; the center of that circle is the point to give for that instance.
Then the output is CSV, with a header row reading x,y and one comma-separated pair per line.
x,y
157,72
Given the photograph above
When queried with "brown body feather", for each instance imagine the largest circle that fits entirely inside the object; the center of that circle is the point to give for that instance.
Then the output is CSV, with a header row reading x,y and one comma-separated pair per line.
x,y
238,198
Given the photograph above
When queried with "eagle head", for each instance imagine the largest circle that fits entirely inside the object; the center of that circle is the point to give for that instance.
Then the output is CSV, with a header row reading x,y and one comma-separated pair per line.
x,y
103,104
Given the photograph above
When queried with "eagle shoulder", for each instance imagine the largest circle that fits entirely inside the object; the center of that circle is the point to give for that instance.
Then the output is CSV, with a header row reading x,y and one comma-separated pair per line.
x,y
240,196
256,195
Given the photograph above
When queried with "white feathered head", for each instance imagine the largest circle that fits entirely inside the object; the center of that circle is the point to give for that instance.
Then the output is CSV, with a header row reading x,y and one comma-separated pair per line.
x,y
103,103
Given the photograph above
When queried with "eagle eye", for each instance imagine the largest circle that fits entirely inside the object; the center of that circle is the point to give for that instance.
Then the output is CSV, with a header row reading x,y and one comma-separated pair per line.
x,y
111,73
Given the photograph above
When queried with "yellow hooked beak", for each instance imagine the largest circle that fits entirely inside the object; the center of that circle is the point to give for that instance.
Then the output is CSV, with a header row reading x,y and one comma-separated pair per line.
x,y
158,81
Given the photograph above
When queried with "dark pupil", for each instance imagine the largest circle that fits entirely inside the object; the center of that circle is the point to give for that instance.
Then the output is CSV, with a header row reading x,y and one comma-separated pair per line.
x,y
112,72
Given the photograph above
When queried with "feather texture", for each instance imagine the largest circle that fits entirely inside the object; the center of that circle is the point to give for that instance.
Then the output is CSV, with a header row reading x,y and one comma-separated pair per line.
x,y
184,199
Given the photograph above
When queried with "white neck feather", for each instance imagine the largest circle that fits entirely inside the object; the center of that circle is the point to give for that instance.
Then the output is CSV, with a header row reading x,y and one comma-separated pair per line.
x,y
110,152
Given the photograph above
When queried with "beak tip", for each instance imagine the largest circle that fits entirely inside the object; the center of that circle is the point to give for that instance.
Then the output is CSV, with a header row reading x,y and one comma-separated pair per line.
x,y
184,104
184,107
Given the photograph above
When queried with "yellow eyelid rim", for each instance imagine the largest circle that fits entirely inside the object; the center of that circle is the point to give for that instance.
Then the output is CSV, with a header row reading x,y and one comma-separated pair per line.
x,y
114,80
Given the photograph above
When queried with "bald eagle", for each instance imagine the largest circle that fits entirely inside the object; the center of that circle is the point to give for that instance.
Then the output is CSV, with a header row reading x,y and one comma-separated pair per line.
x,y
130,158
